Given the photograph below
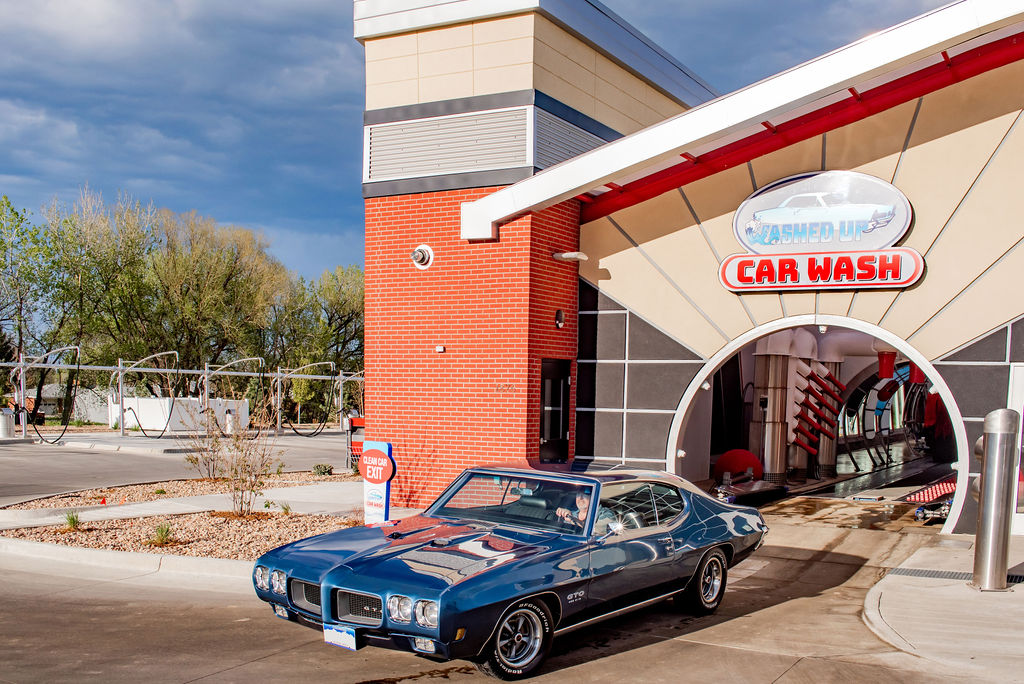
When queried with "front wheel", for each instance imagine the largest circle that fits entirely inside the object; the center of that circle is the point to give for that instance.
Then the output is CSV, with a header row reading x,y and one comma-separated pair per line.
x,y
707,587
521,641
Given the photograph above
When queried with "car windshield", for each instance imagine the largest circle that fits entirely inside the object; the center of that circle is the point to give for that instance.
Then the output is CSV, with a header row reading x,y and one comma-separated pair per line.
x,y
534,503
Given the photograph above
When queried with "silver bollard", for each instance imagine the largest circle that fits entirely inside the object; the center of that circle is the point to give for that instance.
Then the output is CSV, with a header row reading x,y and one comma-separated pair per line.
x,y
992,542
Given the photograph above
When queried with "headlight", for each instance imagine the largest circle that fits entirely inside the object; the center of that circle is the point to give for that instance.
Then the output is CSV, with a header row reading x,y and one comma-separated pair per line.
x,y
426,613
261,575
400,608
278,582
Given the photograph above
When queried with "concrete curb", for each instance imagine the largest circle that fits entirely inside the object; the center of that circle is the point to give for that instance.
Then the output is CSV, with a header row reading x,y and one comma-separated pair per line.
x,y
101,446
16,440
192,570
872,618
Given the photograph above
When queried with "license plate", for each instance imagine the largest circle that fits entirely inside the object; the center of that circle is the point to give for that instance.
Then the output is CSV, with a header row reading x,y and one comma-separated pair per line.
x,y
341,636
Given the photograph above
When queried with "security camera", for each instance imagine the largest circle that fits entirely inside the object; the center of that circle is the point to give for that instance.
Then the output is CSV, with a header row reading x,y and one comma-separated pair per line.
x,y
422,257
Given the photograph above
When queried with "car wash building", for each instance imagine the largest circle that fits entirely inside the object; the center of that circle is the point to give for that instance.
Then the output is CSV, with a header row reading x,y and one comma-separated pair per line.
x,y
577,252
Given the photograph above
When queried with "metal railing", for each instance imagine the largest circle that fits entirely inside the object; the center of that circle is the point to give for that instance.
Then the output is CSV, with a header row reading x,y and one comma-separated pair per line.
x,y
279,377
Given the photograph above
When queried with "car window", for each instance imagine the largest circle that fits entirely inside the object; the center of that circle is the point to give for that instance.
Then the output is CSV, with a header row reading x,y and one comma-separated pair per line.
x,y
803,201
631,504
667,502
483,491
522,501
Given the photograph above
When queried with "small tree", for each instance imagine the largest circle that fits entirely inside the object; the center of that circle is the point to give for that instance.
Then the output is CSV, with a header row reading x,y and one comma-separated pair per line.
x,y
248,461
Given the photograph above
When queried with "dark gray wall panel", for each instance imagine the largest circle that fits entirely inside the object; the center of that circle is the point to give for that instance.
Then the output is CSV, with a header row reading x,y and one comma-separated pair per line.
x,y
658,385
977,389
1017,341
974,430
599,434
647,434
989,348
602,337
647,342
599,385
454,181
593,300
968,522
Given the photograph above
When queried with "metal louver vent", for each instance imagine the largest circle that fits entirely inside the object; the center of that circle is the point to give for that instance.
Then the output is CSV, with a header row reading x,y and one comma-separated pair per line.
x,y
481,141
558,140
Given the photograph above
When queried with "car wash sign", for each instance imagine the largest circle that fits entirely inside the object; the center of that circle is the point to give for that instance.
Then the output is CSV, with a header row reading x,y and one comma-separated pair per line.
x,y
377,467
822,231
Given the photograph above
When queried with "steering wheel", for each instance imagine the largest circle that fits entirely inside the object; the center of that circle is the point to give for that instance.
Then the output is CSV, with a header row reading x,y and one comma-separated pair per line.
x,y
632,520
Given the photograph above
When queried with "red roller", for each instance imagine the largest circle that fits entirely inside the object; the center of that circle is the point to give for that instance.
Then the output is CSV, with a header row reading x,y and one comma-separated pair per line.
x,y
825,387
800,429
818,412
815,424
821,400
811,450
831,378
824,372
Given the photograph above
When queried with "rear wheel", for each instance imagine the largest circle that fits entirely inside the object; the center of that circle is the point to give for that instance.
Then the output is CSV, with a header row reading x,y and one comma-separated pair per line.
x,y
521,641
707,587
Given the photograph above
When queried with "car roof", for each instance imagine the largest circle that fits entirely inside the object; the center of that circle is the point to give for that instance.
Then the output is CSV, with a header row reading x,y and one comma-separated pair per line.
x,y
564,474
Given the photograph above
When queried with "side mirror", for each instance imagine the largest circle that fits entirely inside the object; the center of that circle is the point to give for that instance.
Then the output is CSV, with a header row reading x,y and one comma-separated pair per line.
x,y
615,528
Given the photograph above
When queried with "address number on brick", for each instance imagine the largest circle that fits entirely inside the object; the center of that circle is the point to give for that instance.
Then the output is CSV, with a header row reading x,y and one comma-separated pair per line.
x,y
505,387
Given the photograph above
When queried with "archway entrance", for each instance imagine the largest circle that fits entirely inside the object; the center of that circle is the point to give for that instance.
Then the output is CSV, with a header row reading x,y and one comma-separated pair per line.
x,y
864,420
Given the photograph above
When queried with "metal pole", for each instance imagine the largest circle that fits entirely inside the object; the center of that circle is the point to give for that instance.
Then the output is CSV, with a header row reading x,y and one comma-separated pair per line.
x,y
992,542
24,398
777,426
206,386
277,401
120,394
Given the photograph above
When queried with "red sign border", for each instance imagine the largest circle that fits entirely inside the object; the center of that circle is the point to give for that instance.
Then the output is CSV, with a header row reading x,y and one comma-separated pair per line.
x,y
914,255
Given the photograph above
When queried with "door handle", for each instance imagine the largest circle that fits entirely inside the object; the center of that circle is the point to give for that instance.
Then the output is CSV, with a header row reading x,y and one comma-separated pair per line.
x,y
666,540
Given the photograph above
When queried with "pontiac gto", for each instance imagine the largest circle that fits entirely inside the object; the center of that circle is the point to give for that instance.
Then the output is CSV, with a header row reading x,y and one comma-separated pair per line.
x,y
508,558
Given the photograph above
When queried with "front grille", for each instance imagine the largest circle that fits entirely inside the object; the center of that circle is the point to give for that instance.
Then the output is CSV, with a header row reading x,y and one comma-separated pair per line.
x,y
306,596
363,609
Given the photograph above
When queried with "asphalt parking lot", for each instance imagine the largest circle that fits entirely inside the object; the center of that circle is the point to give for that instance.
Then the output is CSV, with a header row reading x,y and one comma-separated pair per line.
x,y
791,614
809,606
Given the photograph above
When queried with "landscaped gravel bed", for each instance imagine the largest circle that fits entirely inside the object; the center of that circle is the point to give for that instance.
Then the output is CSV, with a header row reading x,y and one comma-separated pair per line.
x,y
173,488
209,535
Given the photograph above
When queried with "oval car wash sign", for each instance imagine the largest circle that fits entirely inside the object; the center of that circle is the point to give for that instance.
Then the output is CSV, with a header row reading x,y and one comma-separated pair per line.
x,y
377,466
821,231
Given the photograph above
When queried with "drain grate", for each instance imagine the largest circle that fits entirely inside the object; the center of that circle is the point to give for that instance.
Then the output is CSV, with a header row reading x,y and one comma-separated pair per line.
x,y
947,575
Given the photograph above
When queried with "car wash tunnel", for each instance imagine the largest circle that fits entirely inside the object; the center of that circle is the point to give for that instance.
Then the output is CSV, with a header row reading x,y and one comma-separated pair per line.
x,y
830,413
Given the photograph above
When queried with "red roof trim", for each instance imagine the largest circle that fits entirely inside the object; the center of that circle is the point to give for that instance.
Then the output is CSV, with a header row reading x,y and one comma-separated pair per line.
x,y
859,106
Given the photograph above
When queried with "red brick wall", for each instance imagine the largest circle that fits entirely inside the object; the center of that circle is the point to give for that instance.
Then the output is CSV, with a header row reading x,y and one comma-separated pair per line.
x,y
491,304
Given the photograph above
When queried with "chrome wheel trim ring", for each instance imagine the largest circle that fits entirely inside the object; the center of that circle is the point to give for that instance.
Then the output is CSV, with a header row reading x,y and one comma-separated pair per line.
x,y
711,580
519,638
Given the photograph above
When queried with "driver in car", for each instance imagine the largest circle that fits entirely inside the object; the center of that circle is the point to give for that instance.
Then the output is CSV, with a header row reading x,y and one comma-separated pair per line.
x,y
577,518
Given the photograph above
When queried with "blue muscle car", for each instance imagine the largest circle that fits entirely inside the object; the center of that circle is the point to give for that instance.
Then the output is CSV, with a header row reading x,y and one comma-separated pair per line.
x,y
506,559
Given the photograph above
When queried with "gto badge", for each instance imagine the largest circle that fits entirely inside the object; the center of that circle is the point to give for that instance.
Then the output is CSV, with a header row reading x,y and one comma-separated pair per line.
x,y
823,230
576,596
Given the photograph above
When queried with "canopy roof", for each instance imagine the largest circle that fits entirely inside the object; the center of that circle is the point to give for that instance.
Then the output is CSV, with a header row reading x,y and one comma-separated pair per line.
x,y
924,54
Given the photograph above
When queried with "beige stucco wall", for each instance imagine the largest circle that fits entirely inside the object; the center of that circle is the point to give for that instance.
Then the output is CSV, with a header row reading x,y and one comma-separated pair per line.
x,y
505,55
961,169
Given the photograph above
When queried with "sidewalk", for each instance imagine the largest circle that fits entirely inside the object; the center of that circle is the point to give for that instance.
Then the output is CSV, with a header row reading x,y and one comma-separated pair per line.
x,y
331,498
926,608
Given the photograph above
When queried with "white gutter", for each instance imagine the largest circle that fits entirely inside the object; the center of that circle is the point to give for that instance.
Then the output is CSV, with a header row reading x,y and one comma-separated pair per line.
x,y
846,67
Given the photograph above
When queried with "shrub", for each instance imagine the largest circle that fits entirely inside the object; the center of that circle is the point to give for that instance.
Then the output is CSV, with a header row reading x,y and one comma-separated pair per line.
x,y
162,536
160,491
72,521
322,469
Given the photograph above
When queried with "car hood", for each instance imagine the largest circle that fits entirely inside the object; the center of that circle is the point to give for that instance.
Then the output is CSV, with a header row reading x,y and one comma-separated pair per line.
x,y
419,551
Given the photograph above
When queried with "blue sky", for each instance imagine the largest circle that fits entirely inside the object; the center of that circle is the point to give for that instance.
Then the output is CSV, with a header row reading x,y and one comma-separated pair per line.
x,y
251,113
